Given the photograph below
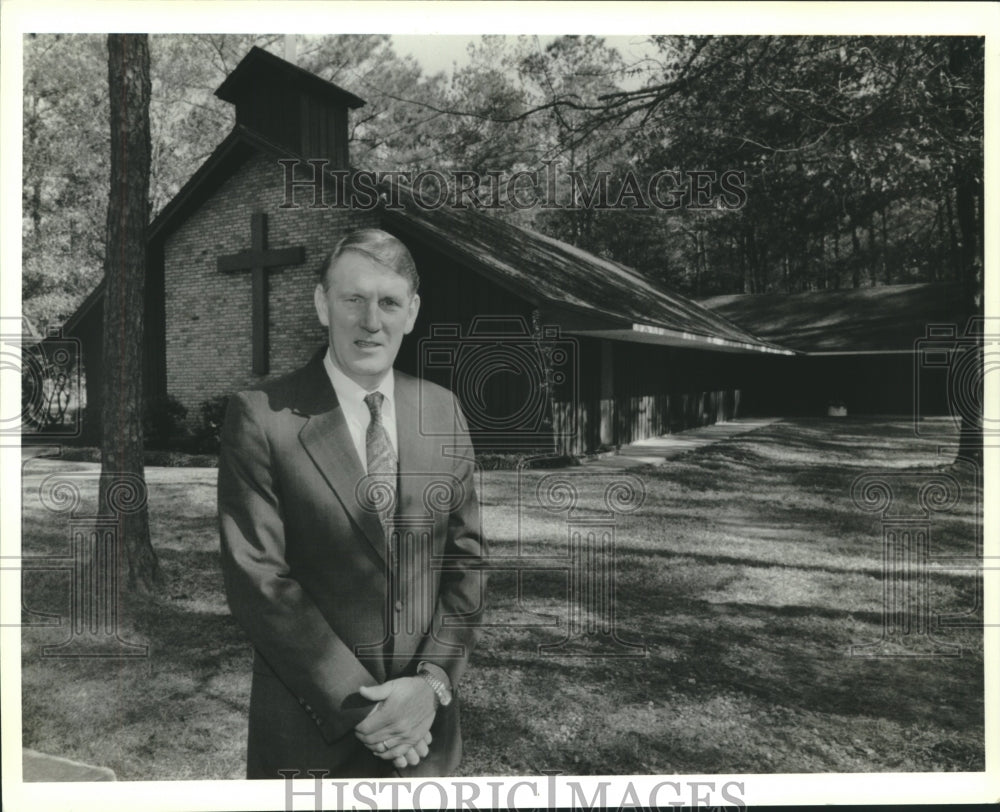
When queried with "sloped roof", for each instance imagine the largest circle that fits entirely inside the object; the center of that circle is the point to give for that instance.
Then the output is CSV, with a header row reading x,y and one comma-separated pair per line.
x,y
545,269
229,155
259,64
890,318
225,158
72,325
29,333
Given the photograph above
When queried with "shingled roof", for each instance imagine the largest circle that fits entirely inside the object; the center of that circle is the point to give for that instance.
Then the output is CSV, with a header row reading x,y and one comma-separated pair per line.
x,y
889,318
259,66
615,300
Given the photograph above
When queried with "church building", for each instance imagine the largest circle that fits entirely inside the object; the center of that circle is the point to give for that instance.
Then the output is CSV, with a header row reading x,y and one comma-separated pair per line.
x,y
548,347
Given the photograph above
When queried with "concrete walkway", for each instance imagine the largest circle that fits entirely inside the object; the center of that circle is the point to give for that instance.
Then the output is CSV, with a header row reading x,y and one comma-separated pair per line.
x,y
657,450
43,767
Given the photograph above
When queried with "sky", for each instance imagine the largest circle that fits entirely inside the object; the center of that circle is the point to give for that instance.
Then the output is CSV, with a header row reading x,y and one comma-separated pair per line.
x,y
435,53
439,52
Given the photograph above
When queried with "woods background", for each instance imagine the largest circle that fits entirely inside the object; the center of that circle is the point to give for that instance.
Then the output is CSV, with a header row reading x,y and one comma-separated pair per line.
x,y
863,159
863,155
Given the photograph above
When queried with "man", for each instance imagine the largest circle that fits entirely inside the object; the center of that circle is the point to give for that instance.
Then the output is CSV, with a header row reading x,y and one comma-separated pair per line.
x,y
359,584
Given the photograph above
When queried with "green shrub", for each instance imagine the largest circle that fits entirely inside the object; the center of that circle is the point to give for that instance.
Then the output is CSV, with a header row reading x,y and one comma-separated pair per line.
x,y
213,413
511,461
163,422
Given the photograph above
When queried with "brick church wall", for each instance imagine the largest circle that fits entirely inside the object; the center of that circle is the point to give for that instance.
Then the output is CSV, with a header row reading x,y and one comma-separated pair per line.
x,y
208,313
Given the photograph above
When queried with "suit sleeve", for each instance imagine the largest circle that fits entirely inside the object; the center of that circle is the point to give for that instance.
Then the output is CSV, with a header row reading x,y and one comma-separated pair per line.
x,y
279,617
462,592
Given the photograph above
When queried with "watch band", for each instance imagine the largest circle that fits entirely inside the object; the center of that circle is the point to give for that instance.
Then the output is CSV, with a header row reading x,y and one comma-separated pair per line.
x,y
442,694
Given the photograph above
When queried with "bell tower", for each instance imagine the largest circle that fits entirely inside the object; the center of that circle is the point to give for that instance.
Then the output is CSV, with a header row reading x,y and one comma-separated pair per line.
x,y
290,106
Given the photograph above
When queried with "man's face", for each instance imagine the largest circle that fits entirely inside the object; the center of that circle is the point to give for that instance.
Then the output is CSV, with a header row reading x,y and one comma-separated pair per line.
x,y
367,309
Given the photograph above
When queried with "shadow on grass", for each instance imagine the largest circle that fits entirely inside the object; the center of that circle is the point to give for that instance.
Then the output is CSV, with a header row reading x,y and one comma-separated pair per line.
x,y
747,575
959,580
178,713
729,687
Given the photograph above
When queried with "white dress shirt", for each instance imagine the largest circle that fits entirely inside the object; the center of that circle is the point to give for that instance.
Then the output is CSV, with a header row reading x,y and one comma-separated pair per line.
x,y
352,400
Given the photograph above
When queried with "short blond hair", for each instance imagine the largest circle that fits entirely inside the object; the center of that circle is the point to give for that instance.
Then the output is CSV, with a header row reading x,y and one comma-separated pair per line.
x,y
379,246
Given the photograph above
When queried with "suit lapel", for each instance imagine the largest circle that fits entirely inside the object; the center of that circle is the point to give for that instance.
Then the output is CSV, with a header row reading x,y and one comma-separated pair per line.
x,y
327,441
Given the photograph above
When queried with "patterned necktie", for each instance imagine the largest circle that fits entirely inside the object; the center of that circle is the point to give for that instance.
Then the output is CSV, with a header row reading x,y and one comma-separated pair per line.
x,y
378,449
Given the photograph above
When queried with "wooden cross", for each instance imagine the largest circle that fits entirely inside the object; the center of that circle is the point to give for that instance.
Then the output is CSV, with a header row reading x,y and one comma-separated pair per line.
x,y
259,259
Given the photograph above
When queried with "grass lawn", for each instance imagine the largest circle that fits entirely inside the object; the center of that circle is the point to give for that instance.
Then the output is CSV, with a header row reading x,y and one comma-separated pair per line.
x,y
748,573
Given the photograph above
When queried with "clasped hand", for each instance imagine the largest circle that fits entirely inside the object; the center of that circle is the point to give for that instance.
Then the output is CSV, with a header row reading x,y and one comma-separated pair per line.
x,y
398,728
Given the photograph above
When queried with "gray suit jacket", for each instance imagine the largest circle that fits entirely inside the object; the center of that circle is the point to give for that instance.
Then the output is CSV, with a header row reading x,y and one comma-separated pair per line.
x,y
328,602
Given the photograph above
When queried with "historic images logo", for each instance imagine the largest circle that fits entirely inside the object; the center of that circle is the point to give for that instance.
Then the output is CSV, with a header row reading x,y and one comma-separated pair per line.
x,y
553,791
94,563
49,371
548,188
908,624
589,560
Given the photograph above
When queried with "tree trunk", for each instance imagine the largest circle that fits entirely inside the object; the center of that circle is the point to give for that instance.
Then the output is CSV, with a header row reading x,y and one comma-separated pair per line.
x,y
965,172
703,254
123,486
750,252
956,261
873,258
824,266
836,254
31,137
763,275
741,262
970,240
886,259
970,445
856,258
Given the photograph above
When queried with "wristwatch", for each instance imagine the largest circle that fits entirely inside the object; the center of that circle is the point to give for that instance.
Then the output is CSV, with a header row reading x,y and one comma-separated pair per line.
x,y
442,693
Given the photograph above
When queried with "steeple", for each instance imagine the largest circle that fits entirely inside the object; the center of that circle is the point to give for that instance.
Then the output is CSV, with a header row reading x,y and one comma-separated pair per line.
x,y
290,106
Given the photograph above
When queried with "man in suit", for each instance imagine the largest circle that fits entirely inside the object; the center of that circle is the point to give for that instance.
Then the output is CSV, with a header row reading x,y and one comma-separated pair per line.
x,y
351,543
